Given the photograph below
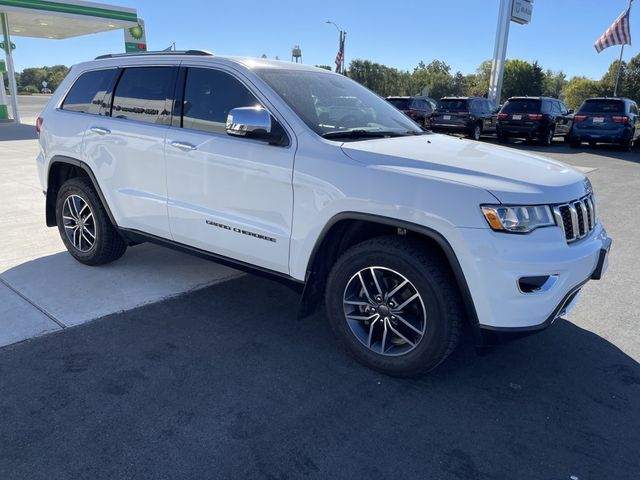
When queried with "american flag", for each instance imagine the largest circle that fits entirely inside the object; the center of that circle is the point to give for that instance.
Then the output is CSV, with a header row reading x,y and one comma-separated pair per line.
x,y
340,54
619,33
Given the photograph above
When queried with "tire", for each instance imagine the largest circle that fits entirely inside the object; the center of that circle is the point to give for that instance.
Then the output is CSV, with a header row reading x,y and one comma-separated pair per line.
x,y
626,145
476,133
573,143
502,138
96,242
547,139
435,313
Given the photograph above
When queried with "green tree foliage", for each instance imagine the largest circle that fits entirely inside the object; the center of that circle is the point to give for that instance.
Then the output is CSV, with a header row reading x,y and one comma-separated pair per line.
x,y
383,80
554,83
31,78
578,89
522,78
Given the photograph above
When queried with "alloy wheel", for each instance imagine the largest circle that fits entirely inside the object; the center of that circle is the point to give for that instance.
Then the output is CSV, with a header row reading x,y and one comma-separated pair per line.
x,y
384,311
79,223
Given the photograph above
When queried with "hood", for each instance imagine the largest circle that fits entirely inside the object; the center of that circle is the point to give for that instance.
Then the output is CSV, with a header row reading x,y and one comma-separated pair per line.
x,y
512,176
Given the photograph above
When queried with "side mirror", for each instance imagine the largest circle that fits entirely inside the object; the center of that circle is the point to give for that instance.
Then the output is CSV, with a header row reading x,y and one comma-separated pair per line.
x,y
253,122
570,111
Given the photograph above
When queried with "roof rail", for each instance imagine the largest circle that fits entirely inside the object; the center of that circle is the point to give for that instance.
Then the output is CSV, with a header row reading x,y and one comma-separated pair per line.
x,y
168,52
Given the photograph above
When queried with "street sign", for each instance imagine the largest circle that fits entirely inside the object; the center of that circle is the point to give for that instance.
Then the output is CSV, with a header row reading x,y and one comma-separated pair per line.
x,y
135,38
3,66
521,11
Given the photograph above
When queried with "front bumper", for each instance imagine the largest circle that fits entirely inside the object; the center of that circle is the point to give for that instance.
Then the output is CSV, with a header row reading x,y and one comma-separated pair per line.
x,y
496,262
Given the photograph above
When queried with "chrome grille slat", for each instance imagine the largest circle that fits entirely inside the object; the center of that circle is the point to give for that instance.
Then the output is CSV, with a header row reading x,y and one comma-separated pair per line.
x,y
577,218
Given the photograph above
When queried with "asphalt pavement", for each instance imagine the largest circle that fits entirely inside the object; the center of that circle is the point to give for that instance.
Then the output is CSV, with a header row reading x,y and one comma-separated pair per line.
x,y
224,382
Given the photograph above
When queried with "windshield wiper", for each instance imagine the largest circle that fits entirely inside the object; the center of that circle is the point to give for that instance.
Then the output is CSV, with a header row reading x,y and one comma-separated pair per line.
x,y
357,133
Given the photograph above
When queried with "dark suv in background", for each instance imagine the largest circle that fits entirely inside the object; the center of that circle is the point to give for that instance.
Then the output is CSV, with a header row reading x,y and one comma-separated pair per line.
x,y
471,116
541,118
606,120
418,109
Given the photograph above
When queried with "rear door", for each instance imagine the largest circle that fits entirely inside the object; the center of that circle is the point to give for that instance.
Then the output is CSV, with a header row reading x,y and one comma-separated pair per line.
x,y
564,120
489,115
126,149
229,195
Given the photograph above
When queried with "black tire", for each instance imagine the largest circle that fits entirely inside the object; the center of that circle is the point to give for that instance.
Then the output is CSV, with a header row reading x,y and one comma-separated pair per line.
x,y
107,245
547,138
431,278
476,132
626,145
573,143
502,138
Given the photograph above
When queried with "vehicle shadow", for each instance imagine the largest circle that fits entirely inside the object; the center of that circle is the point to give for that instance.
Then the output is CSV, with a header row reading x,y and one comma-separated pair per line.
x,y
558,146
9,132
227,380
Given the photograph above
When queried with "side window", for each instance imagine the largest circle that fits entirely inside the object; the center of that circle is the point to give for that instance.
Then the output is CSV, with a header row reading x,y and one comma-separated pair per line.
x,y
564,109
634,109
546,106
88,92
144,94
209,96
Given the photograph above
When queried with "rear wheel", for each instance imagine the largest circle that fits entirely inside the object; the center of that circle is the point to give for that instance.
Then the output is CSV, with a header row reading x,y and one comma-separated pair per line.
x,y
574,143
502,138
547,138
394,306
476,133
84,225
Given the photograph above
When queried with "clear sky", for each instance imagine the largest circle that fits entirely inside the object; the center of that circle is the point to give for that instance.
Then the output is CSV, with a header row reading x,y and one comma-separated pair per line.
x,y
398,34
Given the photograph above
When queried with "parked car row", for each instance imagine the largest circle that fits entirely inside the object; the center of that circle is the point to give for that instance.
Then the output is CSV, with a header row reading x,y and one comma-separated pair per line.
x,y
599,120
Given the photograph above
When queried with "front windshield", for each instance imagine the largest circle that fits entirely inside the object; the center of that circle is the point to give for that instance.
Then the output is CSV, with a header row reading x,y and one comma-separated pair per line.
x,y
330,103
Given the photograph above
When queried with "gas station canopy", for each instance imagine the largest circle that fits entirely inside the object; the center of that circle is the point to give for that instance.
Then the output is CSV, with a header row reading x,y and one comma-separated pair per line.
x,y
56,19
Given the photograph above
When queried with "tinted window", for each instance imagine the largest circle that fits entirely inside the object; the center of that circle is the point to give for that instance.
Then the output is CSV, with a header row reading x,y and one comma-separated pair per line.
x,y
453,105
143,94
209,96
88,92
399,103
633,108
420,104
602,106
521,106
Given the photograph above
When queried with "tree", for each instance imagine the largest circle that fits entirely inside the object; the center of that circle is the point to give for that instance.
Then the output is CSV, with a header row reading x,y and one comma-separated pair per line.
x,y
459,85
478,83
554,83
632,78
435,77
383,80
522,78
578,89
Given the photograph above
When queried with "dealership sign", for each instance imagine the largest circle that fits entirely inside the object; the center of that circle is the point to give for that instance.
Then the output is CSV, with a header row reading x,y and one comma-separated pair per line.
x,y
521,11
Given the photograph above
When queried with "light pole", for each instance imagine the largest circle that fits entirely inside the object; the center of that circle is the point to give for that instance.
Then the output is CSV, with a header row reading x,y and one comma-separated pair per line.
x,y
341,40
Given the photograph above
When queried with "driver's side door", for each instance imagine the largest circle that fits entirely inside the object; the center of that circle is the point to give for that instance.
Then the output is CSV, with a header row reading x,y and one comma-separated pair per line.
x,y
228,195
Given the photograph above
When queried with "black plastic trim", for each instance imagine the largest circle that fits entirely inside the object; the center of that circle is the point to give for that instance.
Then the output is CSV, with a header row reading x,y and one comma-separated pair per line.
x,y
136,236
426,231
51,222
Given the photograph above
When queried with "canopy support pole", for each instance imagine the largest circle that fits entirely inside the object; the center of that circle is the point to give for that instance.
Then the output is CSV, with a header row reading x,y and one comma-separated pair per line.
x,y
11,71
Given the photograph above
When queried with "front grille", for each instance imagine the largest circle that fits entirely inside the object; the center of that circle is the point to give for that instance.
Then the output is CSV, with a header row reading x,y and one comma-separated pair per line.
x,y
577,218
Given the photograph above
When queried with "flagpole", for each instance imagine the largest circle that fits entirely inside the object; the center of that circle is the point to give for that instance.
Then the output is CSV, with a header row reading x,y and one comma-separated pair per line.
x,y
615,88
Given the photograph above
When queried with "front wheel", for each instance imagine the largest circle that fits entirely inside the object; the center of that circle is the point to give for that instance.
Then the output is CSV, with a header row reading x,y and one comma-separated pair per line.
x,y
394,306
84,225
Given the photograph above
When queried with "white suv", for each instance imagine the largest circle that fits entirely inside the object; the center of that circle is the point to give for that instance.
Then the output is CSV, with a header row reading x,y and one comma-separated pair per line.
x,y
259,164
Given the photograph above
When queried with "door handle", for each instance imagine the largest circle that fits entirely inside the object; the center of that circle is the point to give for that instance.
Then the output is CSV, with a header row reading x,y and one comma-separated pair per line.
x,y
100,130
185,147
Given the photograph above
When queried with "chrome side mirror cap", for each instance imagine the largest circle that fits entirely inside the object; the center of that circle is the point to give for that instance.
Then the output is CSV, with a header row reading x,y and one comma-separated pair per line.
x,y
249,122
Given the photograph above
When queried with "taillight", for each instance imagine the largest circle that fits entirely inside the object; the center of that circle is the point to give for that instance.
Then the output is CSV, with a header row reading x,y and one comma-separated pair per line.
x,y
580,118
39,125
620,119
502,116
535,116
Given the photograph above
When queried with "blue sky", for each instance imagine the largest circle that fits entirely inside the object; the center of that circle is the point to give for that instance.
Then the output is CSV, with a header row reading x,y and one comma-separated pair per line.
x,y
460,32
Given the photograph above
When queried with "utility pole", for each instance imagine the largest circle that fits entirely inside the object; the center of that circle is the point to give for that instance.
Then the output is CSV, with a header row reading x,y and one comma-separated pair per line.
x,y
341,41
500,51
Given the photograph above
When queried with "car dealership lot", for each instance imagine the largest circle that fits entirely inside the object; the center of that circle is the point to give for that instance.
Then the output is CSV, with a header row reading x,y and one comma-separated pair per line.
x,y
224,382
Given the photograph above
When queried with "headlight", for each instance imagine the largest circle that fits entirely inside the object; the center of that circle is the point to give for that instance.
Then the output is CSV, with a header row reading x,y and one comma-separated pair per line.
x,y
518,219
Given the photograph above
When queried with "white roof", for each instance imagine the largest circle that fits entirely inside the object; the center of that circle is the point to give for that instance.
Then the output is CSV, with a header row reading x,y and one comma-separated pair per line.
x,y
60,19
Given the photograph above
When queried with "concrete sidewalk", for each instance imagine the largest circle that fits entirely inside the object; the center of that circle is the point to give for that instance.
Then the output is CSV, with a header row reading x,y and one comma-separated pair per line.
x,y
42,289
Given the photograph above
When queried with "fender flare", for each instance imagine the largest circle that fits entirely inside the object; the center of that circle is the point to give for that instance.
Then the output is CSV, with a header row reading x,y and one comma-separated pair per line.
x,y
51,195
430,233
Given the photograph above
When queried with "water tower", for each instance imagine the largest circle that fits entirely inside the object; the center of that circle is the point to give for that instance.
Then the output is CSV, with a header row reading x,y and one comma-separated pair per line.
x,y
296,54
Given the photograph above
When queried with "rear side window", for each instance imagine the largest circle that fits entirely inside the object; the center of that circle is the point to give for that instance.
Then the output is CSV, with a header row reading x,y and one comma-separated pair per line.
x,y
88,92
209,96
144,94
522,106
602,106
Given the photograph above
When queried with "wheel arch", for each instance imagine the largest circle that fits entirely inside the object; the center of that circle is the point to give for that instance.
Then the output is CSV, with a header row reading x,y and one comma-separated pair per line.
x,y
61,169
348,228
